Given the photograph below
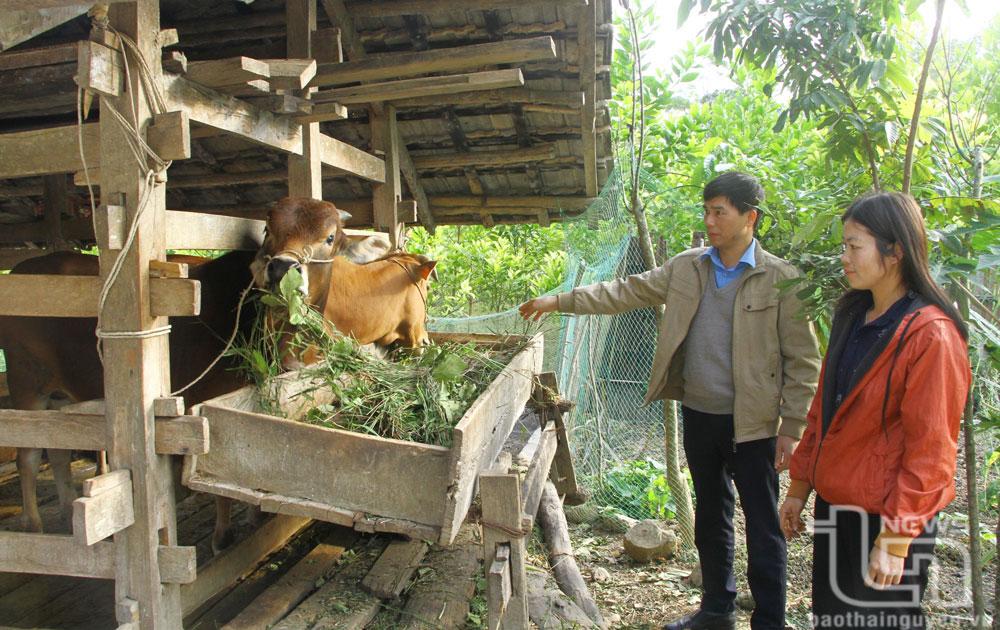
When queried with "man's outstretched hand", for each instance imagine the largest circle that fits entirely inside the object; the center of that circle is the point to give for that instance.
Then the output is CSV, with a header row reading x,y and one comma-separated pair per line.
x,y
533,310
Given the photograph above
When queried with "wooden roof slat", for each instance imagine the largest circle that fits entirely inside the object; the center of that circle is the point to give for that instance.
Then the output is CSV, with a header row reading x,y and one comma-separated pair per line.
x,y
484,158
390,8
424,86
405,64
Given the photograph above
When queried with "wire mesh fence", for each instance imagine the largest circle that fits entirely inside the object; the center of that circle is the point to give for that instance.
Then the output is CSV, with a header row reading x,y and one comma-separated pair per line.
x,y
602,364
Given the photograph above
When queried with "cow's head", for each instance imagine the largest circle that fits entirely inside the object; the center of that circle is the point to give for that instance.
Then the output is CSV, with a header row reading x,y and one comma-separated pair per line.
x,y
304,234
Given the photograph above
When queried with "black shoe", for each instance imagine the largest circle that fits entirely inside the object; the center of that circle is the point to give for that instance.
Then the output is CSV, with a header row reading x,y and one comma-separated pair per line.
x,y
699,620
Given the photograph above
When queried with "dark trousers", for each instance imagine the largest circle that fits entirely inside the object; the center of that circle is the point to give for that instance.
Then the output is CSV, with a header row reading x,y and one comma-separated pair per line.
x,y
716,462
842,543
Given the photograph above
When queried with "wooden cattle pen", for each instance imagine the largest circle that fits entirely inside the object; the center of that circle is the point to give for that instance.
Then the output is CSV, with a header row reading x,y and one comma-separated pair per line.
x,y
142,127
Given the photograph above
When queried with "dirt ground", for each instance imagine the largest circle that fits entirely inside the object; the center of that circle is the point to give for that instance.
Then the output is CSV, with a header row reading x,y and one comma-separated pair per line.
x,y
645,596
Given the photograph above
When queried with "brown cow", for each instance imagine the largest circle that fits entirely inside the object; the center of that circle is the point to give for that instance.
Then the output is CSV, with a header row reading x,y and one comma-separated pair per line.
x,y
381,302
52,361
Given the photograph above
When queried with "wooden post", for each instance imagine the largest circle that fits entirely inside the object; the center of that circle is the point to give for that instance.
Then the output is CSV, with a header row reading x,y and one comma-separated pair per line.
x,y
137,369
56,200
385,139
502,530
305,176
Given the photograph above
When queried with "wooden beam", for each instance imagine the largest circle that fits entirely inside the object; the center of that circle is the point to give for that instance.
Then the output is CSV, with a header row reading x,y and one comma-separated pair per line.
x,y
226,113
219,73
323,112
99,68
411,64
424,86
484,158
290,74
222,570
552,203
409,172
337,12
388,8
518,95
305,172
386,196
587,43
44,56
20,20
52,150
182,435
49,554
170,136
192,230
34,5
104,511
501,500
350,159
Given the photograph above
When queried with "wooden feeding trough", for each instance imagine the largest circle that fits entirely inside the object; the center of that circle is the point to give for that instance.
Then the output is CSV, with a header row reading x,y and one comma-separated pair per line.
x,y
370,483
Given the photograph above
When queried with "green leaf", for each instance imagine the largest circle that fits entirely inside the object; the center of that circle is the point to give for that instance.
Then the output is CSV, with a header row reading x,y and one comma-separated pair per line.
x,y
449,368
290,283
878,70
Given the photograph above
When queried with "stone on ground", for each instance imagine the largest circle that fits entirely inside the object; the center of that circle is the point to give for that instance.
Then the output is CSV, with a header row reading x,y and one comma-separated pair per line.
x,y
650,539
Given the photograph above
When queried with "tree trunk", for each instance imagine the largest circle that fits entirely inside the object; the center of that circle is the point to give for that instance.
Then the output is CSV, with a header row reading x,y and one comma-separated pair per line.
x,y
912,139
679,489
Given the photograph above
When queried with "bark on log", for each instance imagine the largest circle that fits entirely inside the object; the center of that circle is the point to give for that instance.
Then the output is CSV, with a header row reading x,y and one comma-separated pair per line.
x,y
564,567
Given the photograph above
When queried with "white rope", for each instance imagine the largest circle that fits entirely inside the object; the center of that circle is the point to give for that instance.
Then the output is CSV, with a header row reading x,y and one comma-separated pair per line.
x,y
304,258
141,151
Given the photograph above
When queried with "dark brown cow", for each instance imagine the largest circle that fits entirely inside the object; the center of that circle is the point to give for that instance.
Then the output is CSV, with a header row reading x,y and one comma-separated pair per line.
x,y
381,302
52,361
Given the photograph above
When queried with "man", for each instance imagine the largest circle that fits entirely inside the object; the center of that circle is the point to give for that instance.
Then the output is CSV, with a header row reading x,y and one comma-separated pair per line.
x,y
745,369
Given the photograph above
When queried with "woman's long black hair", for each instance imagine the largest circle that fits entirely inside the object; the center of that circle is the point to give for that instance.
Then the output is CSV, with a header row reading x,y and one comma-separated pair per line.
x,y
895,219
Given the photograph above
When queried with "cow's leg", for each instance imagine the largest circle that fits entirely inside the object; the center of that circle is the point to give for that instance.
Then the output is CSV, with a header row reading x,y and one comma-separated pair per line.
x,y
28,462
60,459
223,535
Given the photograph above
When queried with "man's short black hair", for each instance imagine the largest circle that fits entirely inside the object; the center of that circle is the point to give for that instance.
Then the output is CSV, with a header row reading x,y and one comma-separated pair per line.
x,y
741,189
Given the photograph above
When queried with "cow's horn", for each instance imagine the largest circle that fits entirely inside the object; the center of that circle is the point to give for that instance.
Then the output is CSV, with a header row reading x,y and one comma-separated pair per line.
x,y
344,215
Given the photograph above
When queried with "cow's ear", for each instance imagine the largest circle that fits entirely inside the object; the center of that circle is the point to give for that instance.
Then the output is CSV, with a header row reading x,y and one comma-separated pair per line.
x,y
344,216
428,269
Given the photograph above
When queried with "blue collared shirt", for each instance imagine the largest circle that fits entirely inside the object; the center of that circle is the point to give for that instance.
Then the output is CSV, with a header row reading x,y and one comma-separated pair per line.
x,y
724,275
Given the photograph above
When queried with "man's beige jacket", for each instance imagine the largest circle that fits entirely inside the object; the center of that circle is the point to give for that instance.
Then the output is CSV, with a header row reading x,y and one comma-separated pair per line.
x,y
775,356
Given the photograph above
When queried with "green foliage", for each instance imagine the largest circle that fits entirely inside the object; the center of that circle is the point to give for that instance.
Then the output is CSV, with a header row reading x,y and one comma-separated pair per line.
x,y
638,488
415,397
488,270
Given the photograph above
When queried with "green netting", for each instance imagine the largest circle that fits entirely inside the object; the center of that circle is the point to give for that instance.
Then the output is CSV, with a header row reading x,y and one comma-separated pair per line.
x,y
602,364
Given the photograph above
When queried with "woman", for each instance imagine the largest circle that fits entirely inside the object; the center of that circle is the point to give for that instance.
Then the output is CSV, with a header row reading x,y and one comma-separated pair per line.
x,y
881,440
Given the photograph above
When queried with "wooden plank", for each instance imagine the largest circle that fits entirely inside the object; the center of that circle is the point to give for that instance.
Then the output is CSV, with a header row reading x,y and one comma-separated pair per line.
x,y
587,44
336,11
386,196
226,113
409,173
424,86
51,429
281,598
42,56
290,74
340,603
278,467
101,483
305,172
322,112
20,21
538,471
170,136
164,269
480,434
552,203
52,554
191,230
563,473
498,587
225,568
52,150
105,513
515,95
85,431
34,5
484,158
443,603
501,499
99,68
389,8
394,568
227,72
178,565
182,435
77,296
411,64
349,159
